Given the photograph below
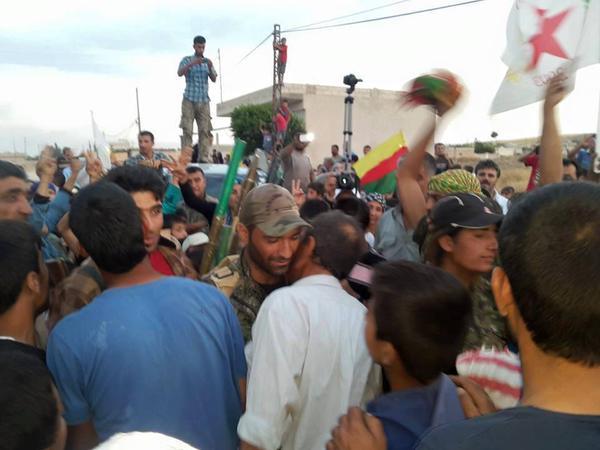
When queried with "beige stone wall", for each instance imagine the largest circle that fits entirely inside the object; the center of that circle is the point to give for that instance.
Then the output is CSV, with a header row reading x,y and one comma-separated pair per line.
x,y
376,116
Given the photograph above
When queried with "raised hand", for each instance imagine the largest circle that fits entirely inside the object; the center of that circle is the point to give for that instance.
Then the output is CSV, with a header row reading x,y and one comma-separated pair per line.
x,y
177,169
473,399
46,167
153,164
298,193
556,91
93,166
358,430
185,156
76,166
46,152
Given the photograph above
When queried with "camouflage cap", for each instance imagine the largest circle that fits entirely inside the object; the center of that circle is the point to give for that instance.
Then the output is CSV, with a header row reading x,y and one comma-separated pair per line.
x,y
272,209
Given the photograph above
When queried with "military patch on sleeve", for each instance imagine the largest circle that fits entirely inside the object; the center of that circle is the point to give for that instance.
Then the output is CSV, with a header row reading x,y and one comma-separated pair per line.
x,y
222,273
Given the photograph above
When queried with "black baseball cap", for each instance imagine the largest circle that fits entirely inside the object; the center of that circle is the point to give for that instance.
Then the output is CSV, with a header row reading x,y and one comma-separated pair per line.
x,y
463,210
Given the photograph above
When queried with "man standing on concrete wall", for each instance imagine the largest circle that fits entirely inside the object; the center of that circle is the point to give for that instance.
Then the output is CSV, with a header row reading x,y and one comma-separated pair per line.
x,y
196,104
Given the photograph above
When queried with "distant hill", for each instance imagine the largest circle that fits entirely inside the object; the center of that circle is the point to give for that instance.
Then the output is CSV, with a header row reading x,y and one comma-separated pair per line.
x,y
567,139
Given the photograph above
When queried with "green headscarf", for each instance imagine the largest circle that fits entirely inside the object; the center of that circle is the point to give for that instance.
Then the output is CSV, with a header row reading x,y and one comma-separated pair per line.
x,y
454,181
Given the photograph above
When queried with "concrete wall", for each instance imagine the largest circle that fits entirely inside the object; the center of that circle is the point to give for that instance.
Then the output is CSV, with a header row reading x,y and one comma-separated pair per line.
x,y
377,114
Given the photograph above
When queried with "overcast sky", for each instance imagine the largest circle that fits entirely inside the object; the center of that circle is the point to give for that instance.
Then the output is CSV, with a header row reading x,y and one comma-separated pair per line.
x,y
61,59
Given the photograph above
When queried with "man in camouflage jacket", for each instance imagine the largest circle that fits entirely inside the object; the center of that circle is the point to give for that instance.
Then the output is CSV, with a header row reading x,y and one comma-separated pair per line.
x,y
270,230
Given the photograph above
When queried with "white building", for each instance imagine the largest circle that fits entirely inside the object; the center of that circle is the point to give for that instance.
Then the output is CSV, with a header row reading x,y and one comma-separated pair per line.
x,y
377,114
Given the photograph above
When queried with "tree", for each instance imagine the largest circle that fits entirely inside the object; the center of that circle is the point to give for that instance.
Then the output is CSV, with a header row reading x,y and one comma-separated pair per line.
x,y
247,119
484,147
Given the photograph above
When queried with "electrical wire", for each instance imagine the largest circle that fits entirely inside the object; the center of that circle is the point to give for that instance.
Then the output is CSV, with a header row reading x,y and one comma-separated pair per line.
x,y
348,15
310,27
255,48
385,17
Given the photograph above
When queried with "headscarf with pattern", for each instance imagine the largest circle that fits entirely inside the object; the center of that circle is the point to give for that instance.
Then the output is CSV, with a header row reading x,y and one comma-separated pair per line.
x,y
454,181
376,197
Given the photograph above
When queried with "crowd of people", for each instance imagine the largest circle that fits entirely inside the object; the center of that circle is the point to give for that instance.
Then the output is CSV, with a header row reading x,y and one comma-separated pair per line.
x,y
448,315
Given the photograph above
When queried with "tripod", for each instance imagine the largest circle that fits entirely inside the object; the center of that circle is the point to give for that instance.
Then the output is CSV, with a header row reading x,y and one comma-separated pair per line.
x,y
347,180
348,103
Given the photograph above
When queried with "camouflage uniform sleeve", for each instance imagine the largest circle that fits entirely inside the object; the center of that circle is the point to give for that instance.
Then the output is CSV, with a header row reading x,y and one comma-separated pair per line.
x,y
208,280
227,279
246,323
488,328
246,303
243,293
224,277
72,294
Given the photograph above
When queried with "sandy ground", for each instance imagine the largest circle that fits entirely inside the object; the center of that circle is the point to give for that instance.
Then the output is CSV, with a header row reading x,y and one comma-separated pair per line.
x,y
514,173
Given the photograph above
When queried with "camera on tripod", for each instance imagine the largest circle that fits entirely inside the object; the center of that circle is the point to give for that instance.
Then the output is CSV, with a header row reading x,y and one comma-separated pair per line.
x,y
347,181
351,80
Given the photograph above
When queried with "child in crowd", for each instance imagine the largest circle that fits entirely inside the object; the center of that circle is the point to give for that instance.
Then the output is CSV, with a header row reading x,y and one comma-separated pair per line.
x,y
315,190
179,227
193,247
416,325
267,139
282,119
281,59
173,197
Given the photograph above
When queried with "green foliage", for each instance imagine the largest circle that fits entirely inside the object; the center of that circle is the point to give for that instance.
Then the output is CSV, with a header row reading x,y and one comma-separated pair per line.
x,y
296,125
484,147
247,119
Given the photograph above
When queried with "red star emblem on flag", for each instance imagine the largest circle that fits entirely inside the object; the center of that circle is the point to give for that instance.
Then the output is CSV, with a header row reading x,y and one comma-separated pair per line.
x,y
544,41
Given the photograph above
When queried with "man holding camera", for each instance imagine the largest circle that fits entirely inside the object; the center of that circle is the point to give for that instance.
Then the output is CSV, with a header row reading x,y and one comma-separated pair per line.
x,y
296,163
196,104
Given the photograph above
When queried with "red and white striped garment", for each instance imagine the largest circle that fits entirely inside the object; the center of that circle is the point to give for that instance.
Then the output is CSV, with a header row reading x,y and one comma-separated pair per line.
x,y
498,372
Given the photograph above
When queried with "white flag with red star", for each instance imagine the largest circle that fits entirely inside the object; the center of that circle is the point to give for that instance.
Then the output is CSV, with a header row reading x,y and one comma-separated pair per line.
x,y
545,37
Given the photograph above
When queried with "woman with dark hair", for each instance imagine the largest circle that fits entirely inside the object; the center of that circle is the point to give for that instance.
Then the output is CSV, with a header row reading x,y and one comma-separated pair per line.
x,y
462,241
462,237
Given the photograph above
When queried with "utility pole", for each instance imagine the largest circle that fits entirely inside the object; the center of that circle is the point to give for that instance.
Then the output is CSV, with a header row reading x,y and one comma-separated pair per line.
x,y
25,145
276,84
137,101
271,175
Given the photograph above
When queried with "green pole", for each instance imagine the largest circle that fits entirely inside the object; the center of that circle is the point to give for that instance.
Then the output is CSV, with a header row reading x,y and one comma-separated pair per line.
x,y
220,213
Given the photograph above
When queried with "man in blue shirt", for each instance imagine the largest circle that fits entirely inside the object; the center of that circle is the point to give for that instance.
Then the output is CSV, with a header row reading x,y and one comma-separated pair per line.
x,y
151,353
196,104
584,154
42,213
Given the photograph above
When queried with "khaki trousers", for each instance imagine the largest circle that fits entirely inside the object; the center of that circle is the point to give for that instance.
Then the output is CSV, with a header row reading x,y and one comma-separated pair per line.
x,y
200,112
